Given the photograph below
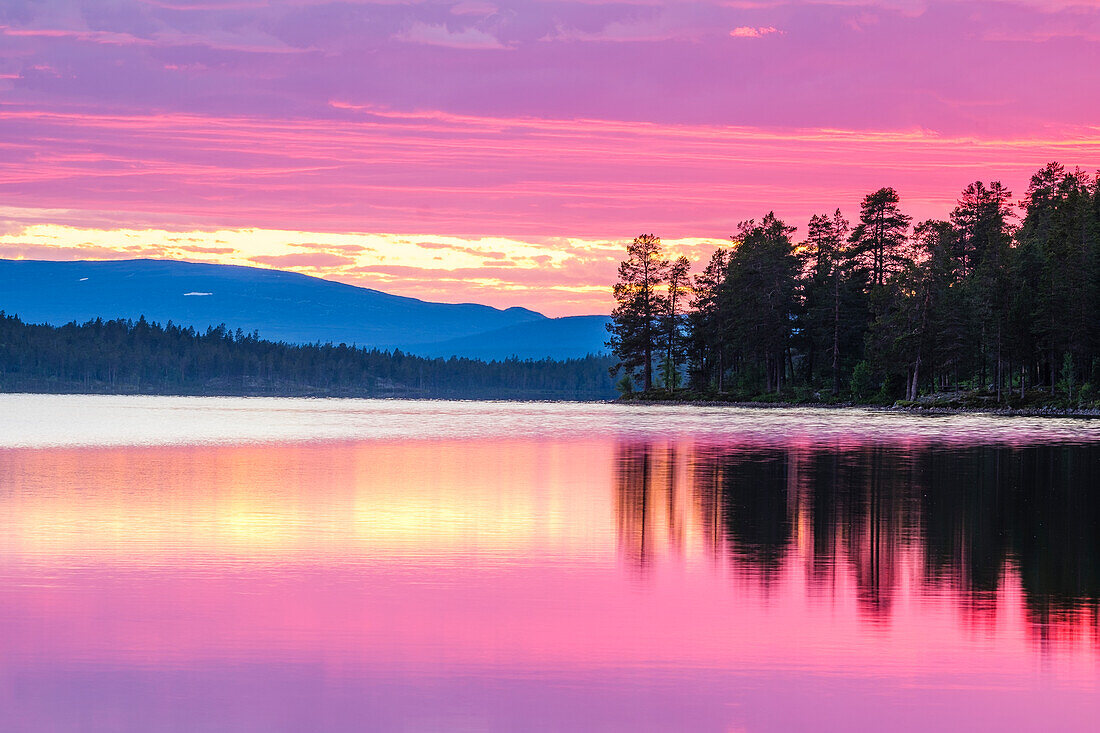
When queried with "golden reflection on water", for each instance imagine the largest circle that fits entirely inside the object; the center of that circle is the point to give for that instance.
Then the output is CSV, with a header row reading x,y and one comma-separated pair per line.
x,y
335,501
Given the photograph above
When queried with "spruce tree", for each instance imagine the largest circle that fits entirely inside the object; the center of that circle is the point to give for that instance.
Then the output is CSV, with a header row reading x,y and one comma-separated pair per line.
x,y
639,304
880,237
761,281
679,282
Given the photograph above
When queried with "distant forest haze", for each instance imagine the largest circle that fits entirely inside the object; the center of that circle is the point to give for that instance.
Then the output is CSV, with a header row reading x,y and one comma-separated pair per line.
x,y
999,301
139,357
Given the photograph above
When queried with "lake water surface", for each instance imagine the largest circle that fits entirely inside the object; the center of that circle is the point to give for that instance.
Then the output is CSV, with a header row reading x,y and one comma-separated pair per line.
x,y
223,564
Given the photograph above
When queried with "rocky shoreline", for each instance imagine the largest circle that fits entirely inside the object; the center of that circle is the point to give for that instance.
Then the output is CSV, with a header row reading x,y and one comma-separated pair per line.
x,y
915,409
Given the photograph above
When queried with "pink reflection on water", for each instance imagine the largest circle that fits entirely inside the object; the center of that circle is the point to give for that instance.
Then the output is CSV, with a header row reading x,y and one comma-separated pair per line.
x,y
543,584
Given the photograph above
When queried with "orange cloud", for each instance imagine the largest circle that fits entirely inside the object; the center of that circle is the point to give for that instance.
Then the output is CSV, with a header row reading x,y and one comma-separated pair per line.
x,y
555,195
746,31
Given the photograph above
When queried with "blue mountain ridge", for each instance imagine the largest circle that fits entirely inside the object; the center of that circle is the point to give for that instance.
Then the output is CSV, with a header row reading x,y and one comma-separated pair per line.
x,y
284,306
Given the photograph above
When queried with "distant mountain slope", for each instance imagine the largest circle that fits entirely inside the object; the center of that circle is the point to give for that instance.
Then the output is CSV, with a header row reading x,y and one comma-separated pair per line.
x,y
556,338
282,306
285,306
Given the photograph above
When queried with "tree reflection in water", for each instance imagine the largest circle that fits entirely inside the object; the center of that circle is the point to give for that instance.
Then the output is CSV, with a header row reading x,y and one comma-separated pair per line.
x,y
973,516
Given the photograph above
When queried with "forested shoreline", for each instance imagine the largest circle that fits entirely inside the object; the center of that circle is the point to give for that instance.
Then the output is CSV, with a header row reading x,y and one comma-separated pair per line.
x,y
995,306
139,357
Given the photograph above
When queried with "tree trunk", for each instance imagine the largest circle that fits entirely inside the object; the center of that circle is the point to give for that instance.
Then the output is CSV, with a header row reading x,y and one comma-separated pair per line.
x,y
916,380
809,362
982,354
836,335
1000,365
790,365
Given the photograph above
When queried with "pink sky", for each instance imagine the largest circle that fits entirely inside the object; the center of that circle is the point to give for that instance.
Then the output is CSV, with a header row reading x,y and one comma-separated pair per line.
x,y
502,152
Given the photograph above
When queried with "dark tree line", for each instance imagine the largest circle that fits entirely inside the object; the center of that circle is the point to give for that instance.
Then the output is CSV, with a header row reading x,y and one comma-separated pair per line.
x,y
138,357
999,301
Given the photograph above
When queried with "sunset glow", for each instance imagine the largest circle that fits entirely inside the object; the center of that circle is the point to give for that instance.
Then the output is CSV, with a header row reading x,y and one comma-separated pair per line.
x,y
504,152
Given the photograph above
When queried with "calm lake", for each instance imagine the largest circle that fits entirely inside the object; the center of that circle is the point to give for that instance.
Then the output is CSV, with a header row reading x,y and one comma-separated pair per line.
x,y
223,564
